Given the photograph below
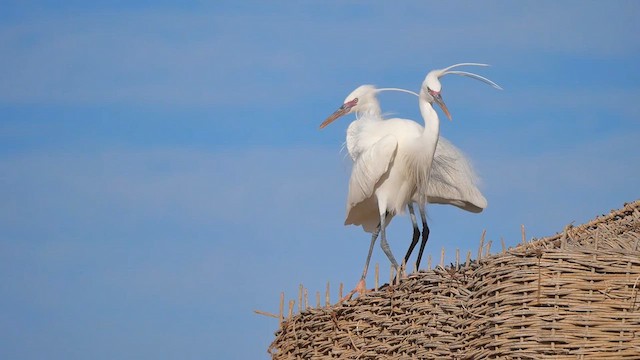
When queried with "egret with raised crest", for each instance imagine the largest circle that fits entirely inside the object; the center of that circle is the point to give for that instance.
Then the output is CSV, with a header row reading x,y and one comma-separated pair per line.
x,y
392,158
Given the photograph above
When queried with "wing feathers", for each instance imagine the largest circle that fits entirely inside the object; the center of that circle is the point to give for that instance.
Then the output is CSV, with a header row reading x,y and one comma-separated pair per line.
x,y
452,180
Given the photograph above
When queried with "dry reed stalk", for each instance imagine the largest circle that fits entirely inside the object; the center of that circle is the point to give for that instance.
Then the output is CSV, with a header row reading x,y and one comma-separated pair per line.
x,y
291,305
403,268
260,312
377,277
281,306
481,247
327,297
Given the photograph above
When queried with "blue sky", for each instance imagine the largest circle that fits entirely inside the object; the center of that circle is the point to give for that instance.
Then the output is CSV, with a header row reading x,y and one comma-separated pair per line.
x,y
162,173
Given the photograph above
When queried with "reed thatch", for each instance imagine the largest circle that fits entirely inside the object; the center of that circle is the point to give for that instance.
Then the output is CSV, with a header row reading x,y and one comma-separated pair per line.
x,y
569,296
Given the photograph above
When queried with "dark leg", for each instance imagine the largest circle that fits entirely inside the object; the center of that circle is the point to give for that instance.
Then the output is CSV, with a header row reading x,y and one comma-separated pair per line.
x,y
425,235
416,233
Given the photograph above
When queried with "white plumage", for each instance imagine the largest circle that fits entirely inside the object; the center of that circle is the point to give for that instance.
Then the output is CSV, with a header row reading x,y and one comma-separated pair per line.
x,y
453,180
393,160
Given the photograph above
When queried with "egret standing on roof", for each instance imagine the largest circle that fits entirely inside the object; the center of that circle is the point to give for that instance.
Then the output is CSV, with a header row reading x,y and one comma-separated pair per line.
x,y
452,180
391,160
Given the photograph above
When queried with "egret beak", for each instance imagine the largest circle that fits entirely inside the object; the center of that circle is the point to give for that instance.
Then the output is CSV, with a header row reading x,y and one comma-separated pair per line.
x,y
344,109
439,101
338,113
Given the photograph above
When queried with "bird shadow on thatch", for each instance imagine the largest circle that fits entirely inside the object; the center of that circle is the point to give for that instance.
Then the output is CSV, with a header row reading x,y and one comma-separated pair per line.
x,y
573,294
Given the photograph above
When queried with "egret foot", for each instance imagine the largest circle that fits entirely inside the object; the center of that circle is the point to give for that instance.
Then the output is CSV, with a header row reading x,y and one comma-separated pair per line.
x,y
361,289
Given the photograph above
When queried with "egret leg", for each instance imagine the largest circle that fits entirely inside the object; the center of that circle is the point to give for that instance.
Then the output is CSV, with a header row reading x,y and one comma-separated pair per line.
x,y
384,244
425,235
361,287
374,236
416,233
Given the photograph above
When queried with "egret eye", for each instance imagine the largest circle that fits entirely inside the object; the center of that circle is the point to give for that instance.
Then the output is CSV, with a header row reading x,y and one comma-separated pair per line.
x,y
350,104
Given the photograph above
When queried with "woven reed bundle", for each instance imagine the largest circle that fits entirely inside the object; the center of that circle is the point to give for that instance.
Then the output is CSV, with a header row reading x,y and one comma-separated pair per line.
x,y
573,295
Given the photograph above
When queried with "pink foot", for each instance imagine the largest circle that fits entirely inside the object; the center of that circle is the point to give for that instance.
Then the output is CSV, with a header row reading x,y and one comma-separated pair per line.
x,y
360,288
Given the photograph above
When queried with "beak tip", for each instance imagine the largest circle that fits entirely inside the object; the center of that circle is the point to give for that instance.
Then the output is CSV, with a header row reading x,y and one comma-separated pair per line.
x,y
331,118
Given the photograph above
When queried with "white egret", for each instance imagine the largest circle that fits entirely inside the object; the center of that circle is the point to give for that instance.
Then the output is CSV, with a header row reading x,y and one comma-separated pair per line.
x,y
392,159
452,179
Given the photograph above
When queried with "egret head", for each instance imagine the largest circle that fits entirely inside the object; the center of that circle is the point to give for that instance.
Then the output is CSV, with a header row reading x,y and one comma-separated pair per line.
x,y
360,99
363,99
431,87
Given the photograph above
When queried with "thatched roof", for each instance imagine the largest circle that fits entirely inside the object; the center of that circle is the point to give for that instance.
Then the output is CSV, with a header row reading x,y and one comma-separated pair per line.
x,y
573,295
